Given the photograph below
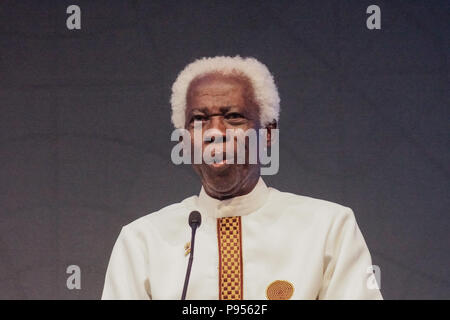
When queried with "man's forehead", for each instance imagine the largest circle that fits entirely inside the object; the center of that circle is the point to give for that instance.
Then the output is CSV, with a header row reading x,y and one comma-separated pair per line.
x,y
219,87
217,83
205,103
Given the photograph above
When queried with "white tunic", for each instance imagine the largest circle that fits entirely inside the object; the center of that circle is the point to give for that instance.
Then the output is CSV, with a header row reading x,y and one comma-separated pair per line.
x,y
314,244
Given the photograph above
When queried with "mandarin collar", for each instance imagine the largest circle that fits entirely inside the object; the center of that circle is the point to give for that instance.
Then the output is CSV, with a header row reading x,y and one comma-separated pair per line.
x,y
237,206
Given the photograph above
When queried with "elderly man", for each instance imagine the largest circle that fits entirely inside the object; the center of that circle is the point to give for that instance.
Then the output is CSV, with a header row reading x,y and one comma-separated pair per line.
x,y
254,242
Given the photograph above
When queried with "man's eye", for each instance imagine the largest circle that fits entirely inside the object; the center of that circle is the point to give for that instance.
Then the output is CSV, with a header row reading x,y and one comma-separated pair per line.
x,y
234,115
198,117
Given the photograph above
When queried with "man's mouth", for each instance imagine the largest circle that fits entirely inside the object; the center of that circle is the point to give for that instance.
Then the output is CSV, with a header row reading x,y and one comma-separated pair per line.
x,y
221,162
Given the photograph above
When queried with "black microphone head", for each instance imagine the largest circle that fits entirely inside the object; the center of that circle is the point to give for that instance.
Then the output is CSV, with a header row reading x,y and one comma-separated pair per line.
x,y
195,219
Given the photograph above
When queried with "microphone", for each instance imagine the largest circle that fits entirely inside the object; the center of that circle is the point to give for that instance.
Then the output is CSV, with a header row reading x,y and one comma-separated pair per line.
x,y
195,220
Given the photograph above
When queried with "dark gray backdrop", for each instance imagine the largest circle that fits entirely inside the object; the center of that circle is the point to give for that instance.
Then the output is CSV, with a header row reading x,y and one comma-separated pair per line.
x,y
85,126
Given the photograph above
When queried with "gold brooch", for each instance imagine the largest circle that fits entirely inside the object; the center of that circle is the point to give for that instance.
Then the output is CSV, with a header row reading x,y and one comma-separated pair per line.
x,y
187,248
280,290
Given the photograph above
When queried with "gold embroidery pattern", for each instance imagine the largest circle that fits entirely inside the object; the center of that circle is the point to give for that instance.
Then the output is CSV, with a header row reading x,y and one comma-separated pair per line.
x,y
230,258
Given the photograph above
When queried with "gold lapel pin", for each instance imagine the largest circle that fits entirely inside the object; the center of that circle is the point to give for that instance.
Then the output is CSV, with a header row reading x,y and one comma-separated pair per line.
x,y
280,290
187,248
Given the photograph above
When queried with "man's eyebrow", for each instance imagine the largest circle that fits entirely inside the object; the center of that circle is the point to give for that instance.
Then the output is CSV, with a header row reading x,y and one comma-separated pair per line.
x,y
205,110
201,109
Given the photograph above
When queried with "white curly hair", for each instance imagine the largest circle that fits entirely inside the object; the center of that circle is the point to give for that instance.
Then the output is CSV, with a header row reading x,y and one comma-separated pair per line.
x,y
264,89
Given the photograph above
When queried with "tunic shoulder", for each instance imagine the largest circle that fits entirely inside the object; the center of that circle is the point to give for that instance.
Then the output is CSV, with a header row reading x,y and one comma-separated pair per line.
x,y
309,207
165,220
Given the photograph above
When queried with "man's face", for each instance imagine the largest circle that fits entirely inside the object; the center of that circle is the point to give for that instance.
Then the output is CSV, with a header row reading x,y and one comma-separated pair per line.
x,y
221,103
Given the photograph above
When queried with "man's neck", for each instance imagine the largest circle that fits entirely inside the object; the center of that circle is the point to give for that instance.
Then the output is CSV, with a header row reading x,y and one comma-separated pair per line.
x,y
246,188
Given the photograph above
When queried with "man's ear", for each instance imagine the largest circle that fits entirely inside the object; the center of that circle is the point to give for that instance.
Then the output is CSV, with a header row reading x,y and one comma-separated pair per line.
x,y
269,127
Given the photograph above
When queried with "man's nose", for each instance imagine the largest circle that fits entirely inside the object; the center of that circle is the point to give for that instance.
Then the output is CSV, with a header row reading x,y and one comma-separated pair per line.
x,y
216,127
